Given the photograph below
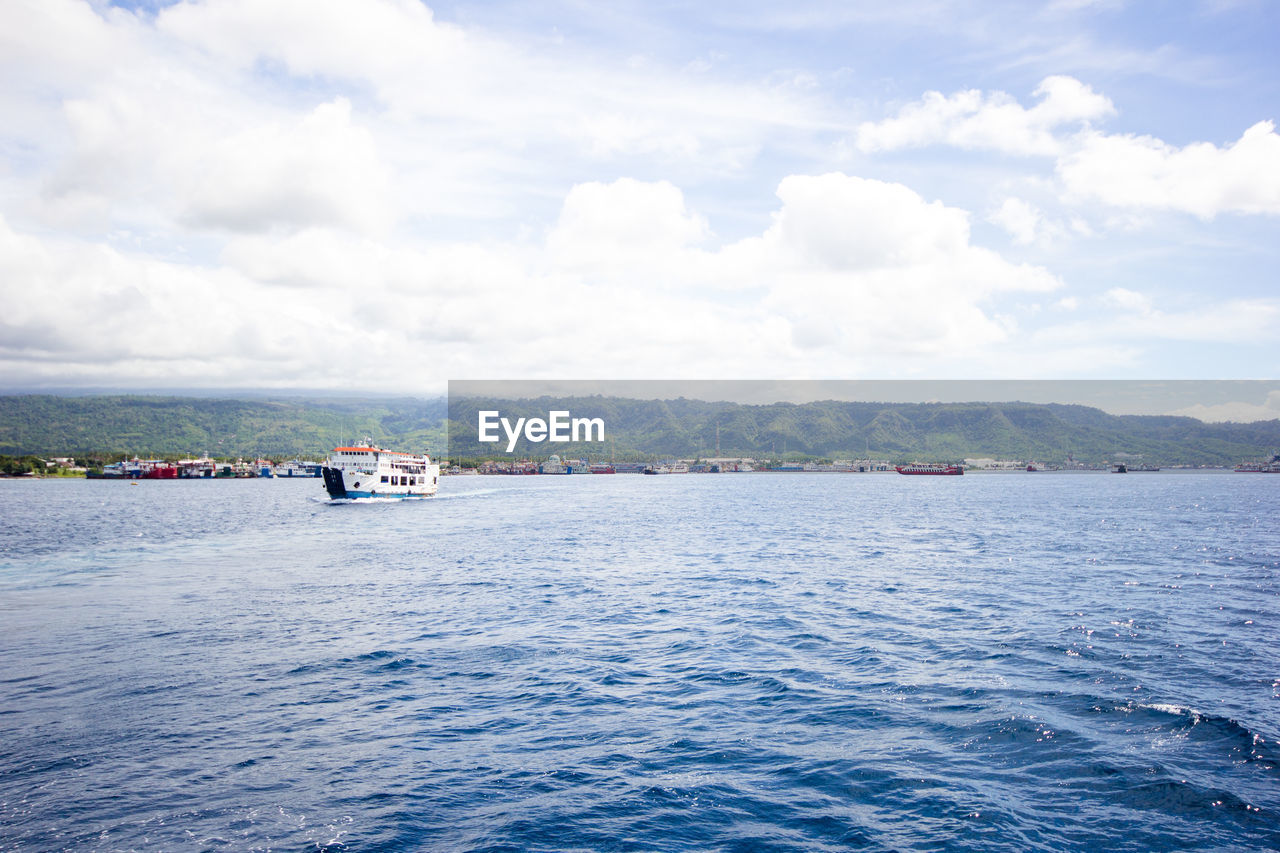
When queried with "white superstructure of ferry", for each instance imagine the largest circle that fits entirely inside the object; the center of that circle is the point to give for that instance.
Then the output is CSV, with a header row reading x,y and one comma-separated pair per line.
x,y
368,471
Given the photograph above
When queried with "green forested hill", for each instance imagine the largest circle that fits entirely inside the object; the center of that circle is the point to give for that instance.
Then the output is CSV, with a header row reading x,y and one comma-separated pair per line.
x,y
174,426
832,429
286,427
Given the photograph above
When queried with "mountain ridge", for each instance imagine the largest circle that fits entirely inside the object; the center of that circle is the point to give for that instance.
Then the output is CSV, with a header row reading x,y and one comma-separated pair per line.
x,y
289,425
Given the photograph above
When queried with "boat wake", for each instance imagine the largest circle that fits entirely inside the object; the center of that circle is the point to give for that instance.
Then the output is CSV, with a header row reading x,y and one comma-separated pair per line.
x,y
333,501
478,493
415,499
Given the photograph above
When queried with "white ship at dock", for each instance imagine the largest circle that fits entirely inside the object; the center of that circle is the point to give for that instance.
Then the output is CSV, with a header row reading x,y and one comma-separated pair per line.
x,y
367,471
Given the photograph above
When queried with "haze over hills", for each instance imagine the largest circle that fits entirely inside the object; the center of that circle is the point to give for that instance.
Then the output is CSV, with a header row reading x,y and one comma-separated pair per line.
x,y
635,429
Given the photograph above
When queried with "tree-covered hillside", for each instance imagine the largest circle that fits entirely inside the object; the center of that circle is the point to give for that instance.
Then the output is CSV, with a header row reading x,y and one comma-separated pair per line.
x,y
834,429
634,429
176,426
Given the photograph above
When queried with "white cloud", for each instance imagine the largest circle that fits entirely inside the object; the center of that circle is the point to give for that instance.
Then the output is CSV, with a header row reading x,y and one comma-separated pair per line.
x,y
1127,300
1135,317
57,43
138,157
1072,6
477,92
1124,171
1201,179
864,267
1020,218
1238,411
994,121
302,192
1232,320
383,42
318,170
842,223
87,310
861,270
608,227
237,115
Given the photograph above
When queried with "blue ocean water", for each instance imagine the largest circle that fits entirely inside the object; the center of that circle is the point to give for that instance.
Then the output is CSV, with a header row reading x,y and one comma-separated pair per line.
x,y
741,662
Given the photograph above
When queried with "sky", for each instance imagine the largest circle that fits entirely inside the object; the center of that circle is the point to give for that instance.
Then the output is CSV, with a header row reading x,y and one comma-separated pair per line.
x,y
385,195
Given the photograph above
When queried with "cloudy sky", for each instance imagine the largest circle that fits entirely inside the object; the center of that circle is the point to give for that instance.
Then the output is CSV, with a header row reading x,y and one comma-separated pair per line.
x,y
383,195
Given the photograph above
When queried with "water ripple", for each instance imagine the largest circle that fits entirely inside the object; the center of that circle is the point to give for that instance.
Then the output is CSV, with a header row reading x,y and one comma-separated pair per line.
x,y
731,663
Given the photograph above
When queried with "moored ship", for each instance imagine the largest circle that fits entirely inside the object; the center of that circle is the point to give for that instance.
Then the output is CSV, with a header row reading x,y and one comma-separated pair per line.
x,y
295,468
1272,467
136,469
928,469
367,471
553,465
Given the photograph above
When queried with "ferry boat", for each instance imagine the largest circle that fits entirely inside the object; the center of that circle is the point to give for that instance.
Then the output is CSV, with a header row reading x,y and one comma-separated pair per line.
x,y
928,469
367,471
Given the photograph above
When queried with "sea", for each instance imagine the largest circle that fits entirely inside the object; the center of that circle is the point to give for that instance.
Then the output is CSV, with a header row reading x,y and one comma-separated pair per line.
x,y
1050,661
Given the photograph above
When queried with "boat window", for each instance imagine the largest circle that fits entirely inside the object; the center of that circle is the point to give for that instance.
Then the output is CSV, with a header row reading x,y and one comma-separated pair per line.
x,y
384,478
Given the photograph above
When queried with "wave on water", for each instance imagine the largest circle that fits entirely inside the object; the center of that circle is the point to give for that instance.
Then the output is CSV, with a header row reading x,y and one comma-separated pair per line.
x,y
1242,741
745,663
